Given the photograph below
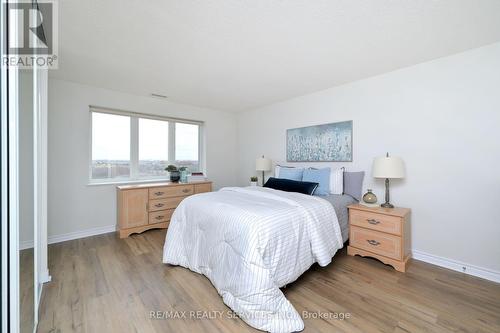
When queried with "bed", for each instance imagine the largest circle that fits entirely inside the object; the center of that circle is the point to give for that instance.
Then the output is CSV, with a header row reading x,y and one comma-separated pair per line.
x,y
251,241
340,203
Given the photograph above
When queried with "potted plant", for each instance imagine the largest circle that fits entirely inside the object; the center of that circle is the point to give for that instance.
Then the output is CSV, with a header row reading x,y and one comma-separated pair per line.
x,y
253,181
184,173
175,174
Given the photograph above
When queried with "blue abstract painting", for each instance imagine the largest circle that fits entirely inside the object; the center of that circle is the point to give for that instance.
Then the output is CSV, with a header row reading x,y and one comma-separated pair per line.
x,y
321,143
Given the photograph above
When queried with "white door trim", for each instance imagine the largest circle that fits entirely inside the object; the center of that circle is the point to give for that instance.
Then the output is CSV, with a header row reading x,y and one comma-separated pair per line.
x,y
4,184
40,167
13,151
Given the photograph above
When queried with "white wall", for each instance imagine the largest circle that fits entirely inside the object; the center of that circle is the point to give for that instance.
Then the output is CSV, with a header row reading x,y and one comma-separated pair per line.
x,y
73,205
442,117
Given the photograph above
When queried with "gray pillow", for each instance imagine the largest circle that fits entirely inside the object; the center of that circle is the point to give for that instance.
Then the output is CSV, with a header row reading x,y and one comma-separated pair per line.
x,y
353,184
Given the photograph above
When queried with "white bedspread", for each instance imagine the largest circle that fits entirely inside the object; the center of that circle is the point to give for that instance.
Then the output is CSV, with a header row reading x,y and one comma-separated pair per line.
x,y
250,242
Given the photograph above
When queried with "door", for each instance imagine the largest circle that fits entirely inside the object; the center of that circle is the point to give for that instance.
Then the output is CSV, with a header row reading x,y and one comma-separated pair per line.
x,y
22,195
133,210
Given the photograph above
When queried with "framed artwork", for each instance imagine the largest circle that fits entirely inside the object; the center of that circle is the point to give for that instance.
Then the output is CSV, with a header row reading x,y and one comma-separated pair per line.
x,y
321,143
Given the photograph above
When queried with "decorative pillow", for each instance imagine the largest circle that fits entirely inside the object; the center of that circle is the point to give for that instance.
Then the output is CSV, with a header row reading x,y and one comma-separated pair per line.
x,y
278,168
353,184
320,176
337,181
291,173
288,185
277,171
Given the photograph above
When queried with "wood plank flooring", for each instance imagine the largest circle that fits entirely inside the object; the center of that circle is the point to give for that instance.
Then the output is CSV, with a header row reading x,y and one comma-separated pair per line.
x,y
104,284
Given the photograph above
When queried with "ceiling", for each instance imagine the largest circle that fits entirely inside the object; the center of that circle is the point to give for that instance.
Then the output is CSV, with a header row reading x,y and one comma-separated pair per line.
x,y
237,55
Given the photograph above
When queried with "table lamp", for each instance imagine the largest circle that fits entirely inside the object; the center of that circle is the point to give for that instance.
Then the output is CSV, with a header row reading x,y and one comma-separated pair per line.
x,y
388,167
263,164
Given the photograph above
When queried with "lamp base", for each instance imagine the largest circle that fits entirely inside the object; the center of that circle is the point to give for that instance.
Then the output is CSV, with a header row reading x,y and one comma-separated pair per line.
x,y
387,205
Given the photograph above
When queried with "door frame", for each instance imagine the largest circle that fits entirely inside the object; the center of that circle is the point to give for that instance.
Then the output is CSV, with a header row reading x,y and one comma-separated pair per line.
x,y
9,181
5,184
12,183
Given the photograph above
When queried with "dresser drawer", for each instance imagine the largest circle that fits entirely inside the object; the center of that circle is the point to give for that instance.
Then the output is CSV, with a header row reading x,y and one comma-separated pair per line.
x,y
202,188
160,216
162,204
170,191
374,221
376,242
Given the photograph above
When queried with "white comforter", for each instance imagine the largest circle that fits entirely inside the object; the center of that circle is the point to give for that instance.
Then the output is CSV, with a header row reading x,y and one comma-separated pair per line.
x,y
250,242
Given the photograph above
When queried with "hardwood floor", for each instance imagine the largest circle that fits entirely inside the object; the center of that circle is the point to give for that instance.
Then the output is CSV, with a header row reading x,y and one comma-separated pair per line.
x,y
106,284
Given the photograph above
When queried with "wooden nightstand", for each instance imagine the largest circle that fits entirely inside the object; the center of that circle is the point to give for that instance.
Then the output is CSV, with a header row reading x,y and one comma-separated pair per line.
x,y
381,233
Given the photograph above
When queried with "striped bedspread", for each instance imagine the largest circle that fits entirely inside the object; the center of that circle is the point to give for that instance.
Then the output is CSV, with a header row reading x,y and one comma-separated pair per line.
x,y
250,242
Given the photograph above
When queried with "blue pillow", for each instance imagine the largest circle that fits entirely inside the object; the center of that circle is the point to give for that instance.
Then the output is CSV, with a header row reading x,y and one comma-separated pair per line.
x,y
291,173
320,176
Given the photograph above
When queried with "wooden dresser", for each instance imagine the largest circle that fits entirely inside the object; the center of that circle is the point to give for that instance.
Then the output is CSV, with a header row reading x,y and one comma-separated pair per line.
x,y
148,206
381,233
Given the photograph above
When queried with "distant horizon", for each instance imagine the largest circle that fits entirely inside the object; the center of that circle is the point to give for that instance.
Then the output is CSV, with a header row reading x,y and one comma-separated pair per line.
x,y
107,169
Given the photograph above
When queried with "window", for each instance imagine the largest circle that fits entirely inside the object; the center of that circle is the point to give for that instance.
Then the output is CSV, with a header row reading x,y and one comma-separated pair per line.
x,y
129,146
110,146
153,147
186,145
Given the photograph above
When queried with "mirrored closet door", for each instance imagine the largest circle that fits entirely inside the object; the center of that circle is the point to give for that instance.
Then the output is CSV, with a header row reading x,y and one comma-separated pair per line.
x,y
23,184
26,203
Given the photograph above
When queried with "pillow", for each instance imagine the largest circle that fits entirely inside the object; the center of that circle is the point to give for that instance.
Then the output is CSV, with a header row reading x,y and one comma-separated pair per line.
x,y
320,176
278,168
277,171
337,181
290,173
288,185
353,184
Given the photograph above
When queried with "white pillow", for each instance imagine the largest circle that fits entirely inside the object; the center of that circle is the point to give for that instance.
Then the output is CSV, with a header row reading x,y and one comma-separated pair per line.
x,y
337,181
277,171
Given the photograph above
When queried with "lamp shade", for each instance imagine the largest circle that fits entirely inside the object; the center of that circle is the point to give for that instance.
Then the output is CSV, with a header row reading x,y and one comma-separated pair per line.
x,y
388,167
263,164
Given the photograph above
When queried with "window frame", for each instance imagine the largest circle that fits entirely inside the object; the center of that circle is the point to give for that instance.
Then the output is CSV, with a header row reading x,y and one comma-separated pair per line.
x,y
134,144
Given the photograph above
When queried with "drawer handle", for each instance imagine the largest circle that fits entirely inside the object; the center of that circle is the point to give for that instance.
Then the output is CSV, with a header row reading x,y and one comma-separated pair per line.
x,y
186,190
159,205
373,242
159,217
159,193
372,221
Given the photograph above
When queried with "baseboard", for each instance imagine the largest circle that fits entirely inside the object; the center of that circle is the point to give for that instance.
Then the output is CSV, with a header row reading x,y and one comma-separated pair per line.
x,y
458,266
455,265
81,234
71,236
23,245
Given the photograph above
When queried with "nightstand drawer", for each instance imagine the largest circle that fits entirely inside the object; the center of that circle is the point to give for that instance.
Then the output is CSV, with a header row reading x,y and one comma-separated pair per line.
x,y
160,216
374,221
162,204
170,191
376,242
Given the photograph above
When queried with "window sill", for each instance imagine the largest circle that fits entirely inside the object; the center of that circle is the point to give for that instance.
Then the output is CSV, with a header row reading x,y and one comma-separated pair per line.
x,y
125,182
